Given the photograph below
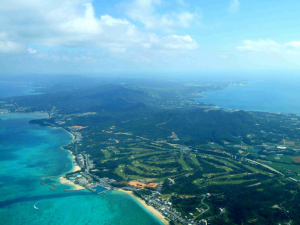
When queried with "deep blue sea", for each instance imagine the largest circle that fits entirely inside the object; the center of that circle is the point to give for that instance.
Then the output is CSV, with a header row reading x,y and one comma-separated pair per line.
x,y
267,96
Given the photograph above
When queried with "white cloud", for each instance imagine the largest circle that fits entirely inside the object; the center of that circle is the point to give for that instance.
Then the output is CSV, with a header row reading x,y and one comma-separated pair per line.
x,y
9,47
172,43
65,58
85,59
270,46
118,50
293,45
260,46
31,51
145,12
182,3
234,6
74,23
49,22
180,42
3,35
185,19
85,24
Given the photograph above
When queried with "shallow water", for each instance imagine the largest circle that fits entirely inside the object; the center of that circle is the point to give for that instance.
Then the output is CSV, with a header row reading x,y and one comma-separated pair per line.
x,y
29,152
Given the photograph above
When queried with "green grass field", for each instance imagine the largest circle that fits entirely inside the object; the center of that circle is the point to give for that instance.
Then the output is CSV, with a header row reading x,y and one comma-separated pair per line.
x,y
183,163
142,154
194,159
106,153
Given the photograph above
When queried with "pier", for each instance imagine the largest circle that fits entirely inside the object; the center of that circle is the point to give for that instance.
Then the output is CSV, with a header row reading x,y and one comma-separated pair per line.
x,y
43,178
44,184
103,192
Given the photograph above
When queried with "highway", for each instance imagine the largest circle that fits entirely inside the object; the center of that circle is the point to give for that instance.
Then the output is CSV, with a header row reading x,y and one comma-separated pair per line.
x,y
268,167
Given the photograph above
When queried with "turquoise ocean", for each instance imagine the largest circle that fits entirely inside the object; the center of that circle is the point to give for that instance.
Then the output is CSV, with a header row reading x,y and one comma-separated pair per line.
x,y
29,152
265,96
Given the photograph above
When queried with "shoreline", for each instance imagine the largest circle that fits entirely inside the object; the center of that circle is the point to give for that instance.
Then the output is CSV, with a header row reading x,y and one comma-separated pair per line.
x,y
151,209
75,166
73,136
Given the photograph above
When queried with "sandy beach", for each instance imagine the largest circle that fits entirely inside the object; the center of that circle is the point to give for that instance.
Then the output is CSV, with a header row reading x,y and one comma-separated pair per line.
x,y
72,135
148,207
76,167
66,181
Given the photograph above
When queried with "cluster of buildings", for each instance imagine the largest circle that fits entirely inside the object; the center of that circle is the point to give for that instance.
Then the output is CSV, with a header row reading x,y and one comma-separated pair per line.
x,y
75,131
80,160
78,136
88,182
165,207
106,182
89,163
82,181
78,179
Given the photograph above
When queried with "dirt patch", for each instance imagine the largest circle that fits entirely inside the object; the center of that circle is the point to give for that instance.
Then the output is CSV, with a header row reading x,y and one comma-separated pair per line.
x,y
296,160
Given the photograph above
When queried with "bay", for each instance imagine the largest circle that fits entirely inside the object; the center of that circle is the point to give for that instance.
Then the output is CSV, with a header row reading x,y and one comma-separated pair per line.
x,y
265,96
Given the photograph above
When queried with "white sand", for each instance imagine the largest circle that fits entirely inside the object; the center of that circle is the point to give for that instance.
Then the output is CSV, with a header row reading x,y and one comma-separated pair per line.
x,y
66,181
76,167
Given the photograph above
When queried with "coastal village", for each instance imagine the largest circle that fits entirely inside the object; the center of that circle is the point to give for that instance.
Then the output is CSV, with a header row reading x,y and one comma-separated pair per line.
x,y
82,177
163,206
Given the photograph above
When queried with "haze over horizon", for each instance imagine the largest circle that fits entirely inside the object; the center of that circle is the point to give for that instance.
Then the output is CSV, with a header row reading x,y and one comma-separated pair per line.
x,y
148,36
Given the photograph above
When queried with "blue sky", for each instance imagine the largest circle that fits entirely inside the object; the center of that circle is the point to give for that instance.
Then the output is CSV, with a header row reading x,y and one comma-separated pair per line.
x,y
149,36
